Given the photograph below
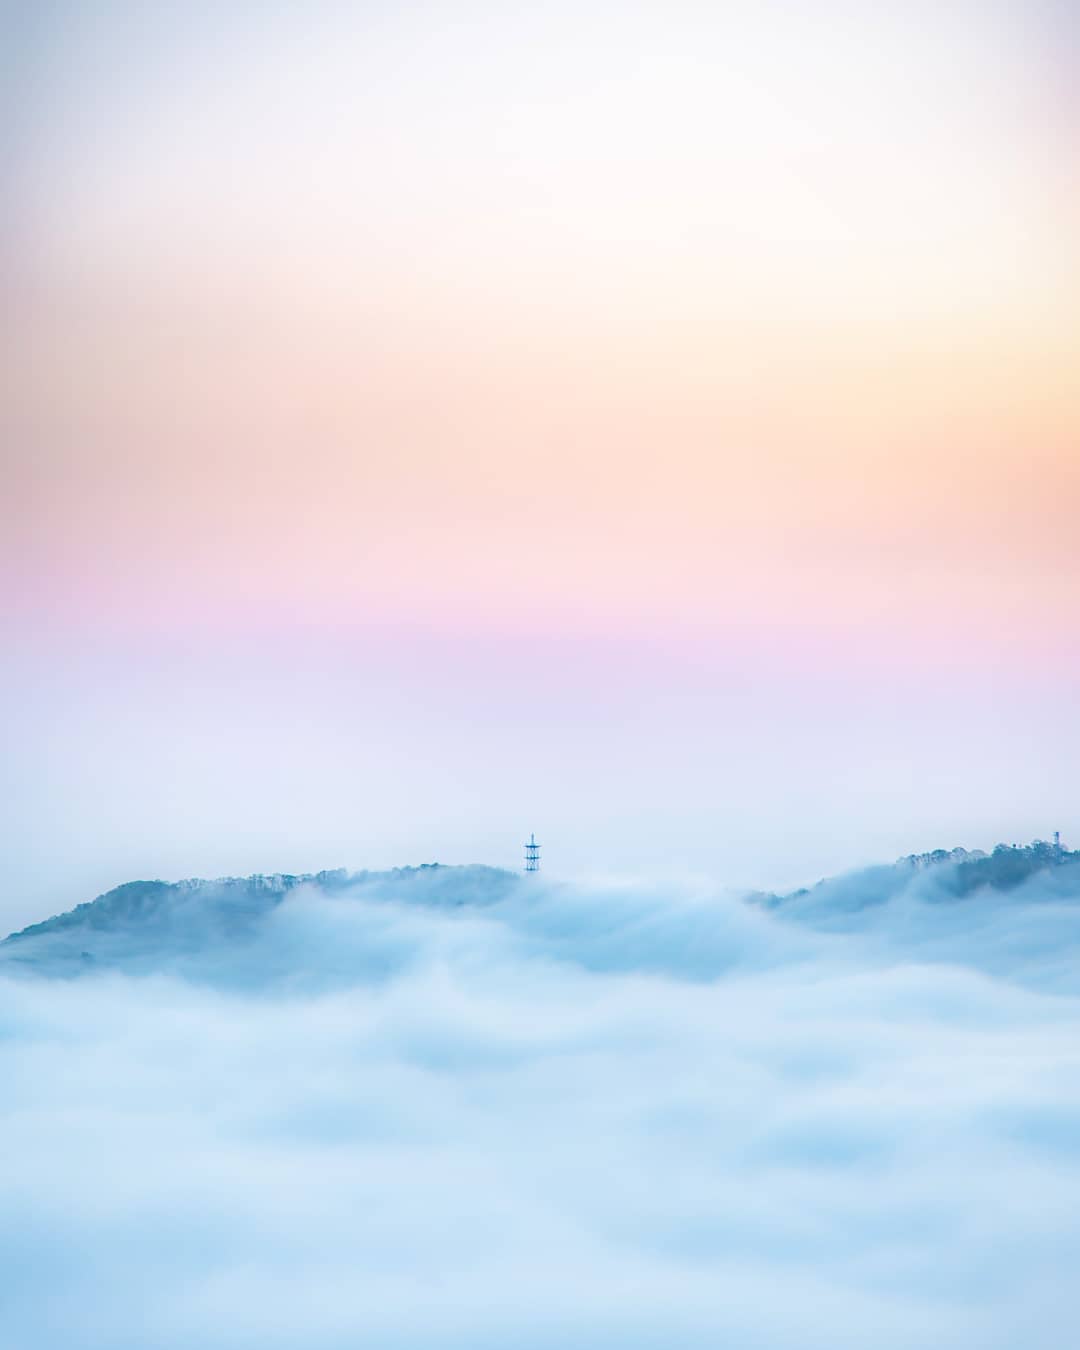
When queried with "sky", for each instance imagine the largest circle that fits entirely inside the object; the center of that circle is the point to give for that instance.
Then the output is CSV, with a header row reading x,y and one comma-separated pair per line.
x,y
651,426
429,1112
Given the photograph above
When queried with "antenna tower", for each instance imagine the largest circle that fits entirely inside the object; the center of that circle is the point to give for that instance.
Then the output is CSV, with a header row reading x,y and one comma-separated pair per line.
x,y
532,855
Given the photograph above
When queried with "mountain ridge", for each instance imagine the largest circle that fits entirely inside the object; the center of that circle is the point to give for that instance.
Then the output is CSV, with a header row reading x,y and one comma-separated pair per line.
x,y
244,896
237,928
937,877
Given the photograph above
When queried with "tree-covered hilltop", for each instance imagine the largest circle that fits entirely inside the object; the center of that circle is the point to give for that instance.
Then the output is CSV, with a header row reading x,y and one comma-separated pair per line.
x,y
941,874
1009,865
941,855
231,905
147,901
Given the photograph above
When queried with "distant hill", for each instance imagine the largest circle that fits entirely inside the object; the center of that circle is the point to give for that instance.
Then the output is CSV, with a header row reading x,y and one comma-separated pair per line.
x,y
318,927
142,924
942,875
1008,866
150,902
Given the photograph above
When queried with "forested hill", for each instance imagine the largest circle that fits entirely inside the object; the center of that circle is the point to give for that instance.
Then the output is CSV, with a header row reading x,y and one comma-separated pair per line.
x,y
1008,866
1037,870
230,906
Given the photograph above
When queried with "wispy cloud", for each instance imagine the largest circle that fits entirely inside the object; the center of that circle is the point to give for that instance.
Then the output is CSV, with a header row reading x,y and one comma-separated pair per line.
x,y
602,1116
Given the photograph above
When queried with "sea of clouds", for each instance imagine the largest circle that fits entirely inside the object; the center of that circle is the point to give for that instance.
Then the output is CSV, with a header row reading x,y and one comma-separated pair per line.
x,y
538,1115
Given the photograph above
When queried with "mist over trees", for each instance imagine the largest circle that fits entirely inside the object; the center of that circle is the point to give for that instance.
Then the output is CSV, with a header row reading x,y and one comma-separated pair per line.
x,y
1008,866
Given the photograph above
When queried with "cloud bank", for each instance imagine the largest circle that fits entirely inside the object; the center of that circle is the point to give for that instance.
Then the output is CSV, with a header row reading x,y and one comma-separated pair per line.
x,y
463,1110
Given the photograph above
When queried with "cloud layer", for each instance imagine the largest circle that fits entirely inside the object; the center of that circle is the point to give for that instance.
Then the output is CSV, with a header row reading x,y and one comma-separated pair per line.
x,y
603,1116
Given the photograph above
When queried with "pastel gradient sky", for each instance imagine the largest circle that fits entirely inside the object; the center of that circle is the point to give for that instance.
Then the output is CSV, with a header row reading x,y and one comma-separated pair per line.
x,y
650,425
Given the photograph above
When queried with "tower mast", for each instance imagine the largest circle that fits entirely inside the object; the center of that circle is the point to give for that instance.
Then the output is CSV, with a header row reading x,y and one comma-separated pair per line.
x,y
532,855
